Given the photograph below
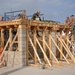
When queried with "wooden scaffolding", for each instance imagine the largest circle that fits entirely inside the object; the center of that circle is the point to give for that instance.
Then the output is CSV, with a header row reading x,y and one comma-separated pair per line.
x,y
49,48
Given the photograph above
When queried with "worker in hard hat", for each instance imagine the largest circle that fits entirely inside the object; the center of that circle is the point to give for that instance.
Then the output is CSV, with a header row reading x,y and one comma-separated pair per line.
x,y
36,17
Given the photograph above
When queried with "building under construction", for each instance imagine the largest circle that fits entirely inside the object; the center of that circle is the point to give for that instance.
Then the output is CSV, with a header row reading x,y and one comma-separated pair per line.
x,y
24,47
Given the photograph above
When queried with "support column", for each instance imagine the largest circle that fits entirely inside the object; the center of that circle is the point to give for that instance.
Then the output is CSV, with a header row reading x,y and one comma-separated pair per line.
x,y
2,38
44,46
67,37
34,32
10,36
61,47
27,47
50,45
21,54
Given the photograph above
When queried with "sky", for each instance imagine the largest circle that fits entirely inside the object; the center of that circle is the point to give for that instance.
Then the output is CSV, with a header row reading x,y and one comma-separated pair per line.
x,y
55,10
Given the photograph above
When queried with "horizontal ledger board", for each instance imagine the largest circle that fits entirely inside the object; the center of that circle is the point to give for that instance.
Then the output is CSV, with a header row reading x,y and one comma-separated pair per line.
x,y
32,23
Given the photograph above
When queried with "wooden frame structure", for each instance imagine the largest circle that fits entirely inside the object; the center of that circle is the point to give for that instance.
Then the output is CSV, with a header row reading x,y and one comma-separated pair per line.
x,y
51,47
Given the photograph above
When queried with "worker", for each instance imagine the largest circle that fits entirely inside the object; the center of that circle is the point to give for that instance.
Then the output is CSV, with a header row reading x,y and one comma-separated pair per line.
x,y
67,21
36,17
22,15
72,22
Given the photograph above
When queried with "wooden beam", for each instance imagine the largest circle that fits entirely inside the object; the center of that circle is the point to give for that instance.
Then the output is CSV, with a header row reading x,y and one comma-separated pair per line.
x,y
10,36
43,52
30,55
34,49
51,52
50,45
59,49
34,36
2,38
66,48
27,47
44,47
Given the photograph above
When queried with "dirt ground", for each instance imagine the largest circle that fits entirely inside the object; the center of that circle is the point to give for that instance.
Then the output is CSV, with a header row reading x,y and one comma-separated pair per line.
x,y
29,70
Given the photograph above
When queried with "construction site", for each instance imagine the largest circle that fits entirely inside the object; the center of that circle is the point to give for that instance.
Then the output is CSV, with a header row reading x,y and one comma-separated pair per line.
x,y
21,46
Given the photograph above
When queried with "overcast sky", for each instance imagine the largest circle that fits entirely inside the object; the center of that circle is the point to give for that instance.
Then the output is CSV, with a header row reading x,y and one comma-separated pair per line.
x,y
56,10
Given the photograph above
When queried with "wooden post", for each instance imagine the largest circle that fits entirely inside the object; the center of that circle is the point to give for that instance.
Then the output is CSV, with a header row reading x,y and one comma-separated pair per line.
x,y
34,35
50,45
61,47
2,37
44,47
67,36
27,47
10,36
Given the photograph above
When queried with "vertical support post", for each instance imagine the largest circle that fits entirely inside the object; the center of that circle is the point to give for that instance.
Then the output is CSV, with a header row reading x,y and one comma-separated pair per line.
x,y
44,46
50,45
61,47
67,36
27,47
34,35
10,36
2,37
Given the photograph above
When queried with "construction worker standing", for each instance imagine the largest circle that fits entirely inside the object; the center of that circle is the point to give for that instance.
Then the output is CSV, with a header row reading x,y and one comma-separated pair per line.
x,y
72,22
67,21
36,17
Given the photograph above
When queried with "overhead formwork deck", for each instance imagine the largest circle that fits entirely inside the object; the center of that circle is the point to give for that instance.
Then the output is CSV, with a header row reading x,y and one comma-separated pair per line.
x,y
49,48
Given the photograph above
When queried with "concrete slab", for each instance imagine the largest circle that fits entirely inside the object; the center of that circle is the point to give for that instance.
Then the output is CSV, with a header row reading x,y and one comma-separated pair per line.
x,y
37,71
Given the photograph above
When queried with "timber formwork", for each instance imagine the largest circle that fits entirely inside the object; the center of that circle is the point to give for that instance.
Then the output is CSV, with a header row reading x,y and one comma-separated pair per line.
x,y
49,48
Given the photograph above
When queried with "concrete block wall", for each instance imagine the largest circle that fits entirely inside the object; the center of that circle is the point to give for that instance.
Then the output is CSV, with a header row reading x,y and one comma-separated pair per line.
x,y
18,58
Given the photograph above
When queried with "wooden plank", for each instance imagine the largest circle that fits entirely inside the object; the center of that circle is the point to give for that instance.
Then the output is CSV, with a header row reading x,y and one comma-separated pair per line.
x,y
51,52
59,49
34,36
66,48
43,52
27,47
50,45
44,47
10,35
31,55
2,38
4,48
34,49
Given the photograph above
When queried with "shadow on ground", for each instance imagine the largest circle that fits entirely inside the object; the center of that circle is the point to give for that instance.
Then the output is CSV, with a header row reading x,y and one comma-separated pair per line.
x,y
14,70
